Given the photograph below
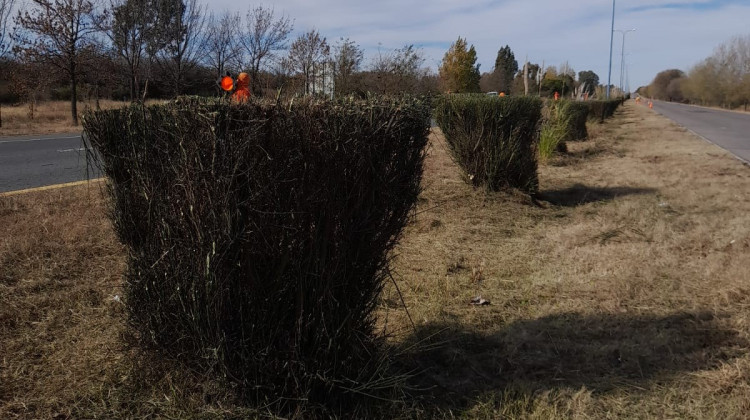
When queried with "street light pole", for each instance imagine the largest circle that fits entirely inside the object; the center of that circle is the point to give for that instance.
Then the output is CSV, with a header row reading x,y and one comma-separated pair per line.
x,y
611,39
622,56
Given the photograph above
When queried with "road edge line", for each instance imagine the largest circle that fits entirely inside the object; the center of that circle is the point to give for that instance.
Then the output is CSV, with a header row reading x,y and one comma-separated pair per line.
x,y
706,139
49,187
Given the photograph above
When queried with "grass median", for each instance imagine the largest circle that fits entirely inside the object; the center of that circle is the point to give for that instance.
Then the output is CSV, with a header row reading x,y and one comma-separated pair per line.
x,y
619,291
48,117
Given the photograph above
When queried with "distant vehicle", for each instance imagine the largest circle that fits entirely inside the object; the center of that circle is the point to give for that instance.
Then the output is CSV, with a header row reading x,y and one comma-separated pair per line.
x,y
492,93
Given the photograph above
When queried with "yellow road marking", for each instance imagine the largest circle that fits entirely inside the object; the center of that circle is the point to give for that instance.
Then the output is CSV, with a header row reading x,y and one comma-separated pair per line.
x,y
50,187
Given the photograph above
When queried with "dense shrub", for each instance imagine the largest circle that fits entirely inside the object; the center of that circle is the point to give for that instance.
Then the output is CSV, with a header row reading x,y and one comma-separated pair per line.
x,y
562,121
258,235
493,139
601,110
575,114
551,138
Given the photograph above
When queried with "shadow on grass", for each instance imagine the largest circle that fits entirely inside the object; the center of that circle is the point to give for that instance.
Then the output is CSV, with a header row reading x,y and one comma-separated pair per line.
x,y
584,153
580,194
601,353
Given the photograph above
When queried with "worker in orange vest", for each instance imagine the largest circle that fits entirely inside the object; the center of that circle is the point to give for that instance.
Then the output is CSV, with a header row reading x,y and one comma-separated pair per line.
x,y
241,87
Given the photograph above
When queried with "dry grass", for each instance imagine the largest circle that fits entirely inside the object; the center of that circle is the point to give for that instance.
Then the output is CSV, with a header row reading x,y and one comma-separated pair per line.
x,y
626,293
49,117
622,292
59,271
64,349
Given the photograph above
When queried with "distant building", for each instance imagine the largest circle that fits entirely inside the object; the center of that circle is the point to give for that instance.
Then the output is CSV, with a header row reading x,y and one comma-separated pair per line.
x,y
322,80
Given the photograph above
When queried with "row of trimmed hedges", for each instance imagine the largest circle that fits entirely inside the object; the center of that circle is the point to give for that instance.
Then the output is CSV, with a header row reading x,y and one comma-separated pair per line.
x,y
496,140
601,110
493,139
258,234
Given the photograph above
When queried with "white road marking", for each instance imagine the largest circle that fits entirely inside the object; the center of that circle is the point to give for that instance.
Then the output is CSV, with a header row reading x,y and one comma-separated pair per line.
x,y
80,149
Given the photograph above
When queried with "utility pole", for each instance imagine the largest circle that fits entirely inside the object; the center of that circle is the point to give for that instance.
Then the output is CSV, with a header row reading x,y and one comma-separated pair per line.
x,y
627,79
540,74
526,76
611,40
622,57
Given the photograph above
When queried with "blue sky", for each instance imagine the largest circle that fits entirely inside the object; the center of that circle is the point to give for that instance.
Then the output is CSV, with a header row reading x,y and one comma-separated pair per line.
x,y
670,34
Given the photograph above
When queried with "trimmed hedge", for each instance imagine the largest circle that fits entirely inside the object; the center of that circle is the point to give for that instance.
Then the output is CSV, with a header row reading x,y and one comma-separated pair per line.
x,y
575,114
601,110
258,235
493,139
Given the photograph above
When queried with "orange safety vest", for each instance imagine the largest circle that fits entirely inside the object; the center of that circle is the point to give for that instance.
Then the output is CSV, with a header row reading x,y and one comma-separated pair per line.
x,y
242,93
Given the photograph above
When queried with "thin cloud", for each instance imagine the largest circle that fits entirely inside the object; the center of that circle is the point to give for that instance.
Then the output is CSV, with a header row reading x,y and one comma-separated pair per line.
x,y
692,5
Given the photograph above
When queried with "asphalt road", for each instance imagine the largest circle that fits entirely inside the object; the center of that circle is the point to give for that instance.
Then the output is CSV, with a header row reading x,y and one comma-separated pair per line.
x,y
729,130
41,160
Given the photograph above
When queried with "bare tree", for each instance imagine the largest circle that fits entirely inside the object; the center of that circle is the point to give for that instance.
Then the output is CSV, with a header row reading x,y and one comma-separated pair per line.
x,y
702,86
222,41
347,59
59,34
566,69
6,8
264,36
734,61
399,70
659,86
491,82
28,82
722,79
129,25
184,43
307,54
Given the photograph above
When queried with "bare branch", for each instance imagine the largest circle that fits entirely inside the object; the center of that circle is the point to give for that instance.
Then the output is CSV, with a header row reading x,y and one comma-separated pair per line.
x,y
347,59
184,43
307,54
222,42
59,34
264,37
6,8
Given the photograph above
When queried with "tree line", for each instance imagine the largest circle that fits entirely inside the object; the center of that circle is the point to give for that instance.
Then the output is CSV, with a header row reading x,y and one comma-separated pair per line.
x,y
138,49
722,79
460,73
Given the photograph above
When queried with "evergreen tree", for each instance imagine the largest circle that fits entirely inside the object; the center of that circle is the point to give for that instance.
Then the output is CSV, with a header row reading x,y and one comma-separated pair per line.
x,y
506,67
459,72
